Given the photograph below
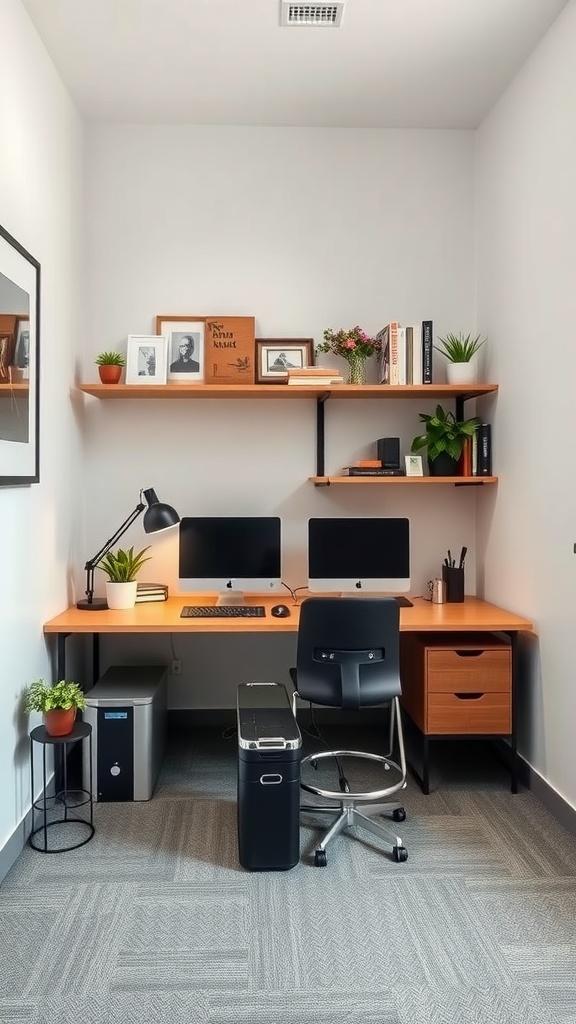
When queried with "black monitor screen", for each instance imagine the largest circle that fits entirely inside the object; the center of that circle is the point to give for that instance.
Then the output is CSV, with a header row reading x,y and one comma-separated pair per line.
x,y
359,554
216,553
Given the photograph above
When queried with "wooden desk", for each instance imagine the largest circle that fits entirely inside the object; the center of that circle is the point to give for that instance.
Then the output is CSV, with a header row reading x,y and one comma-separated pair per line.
x,y
472,616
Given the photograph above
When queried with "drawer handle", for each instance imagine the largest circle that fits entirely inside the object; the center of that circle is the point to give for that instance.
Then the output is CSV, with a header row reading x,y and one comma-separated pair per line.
x,y
469,654
468,696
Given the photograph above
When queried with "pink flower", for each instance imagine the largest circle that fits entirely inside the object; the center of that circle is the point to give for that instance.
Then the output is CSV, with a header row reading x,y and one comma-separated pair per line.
x,y
350,344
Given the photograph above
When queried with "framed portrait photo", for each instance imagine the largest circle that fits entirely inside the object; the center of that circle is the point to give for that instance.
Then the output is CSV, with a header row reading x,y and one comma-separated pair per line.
x,y
146,359
275,356
185,341
413,465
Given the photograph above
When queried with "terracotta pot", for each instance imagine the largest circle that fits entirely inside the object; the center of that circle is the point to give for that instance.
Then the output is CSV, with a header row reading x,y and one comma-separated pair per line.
x,y
60,721
109,373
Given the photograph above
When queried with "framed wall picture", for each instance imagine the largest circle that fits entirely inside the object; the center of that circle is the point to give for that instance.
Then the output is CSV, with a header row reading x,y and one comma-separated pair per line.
x,y
275,356
413,465
146,359
20,401
185,340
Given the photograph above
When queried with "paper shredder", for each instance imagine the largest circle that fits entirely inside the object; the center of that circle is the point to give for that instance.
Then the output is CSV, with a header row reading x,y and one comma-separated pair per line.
x,y
127,709
269,755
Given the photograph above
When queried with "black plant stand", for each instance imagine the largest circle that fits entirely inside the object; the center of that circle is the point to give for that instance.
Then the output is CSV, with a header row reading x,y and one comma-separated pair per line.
x,y
62,808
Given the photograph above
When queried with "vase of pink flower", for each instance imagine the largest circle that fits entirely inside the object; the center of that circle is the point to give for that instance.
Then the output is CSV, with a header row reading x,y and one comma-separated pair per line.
x,y
355,346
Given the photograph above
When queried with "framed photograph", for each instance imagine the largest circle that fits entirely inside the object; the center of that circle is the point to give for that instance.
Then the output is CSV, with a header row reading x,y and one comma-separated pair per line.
x,y
19,321
185,340
413,465
146,359
274,356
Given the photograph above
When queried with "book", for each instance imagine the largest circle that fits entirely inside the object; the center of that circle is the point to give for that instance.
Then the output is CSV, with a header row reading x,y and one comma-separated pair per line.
x,y
414,354
484,456
229,350
143,598
311,371
336,378
388,355
153,587
369,463
427,350
372,471
465,460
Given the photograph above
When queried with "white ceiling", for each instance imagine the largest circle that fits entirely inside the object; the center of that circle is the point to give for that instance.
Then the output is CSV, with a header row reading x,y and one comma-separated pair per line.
x,y
393,63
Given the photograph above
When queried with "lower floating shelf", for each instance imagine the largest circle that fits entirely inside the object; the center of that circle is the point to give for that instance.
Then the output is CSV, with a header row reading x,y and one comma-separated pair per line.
x,y
456,481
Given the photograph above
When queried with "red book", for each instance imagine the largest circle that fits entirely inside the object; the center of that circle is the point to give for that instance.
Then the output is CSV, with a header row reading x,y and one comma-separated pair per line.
x,y
465,460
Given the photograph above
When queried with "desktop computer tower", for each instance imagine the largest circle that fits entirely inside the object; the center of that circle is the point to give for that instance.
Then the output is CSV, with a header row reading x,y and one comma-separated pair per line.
x,y
127,709
269,755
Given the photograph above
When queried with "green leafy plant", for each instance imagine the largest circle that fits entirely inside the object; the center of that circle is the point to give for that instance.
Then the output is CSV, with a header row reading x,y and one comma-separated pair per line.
x,y
444,433
110,359
63,695
122,566
354,342
459,349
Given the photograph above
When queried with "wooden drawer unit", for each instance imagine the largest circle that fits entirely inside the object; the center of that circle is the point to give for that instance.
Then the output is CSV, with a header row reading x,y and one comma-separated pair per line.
x,y
457,684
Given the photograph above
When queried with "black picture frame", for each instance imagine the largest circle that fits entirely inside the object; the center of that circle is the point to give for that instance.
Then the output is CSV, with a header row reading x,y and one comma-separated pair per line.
x,y
20,384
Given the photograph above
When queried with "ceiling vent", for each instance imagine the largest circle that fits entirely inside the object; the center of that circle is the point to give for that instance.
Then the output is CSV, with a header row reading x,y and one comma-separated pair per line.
x,y
311,14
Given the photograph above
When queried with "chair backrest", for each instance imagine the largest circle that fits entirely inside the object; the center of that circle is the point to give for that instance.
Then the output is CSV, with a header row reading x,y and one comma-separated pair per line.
x,y
348,651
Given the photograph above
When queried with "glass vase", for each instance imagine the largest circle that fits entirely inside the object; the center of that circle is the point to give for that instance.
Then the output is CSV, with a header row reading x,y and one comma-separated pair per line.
x,y
356,369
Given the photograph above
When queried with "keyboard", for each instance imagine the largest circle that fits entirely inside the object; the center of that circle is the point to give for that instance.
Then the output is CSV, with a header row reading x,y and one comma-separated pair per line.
x,y
223,611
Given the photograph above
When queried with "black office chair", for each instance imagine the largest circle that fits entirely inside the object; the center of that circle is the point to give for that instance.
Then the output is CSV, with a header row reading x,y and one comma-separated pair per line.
x,y
348,657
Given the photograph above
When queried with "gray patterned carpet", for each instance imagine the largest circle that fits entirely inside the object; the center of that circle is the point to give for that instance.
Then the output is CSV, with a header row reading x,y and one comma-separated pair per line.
x,y
154,920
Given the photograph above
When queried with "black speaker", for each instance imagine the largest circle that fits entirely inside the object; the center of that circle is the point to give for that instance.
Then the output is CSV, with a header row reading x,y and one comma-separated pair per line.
x,y
389,452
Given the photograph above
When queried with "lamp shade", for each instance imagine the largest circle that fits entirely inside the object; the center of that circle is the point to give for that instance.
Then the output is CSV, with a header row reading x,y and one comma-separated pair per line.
x,y
158,516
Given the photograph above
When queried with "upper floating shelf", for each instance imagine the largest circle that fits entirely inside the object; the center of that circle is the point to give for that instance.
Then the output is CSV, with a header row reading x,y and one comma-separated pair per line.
x,y
173,391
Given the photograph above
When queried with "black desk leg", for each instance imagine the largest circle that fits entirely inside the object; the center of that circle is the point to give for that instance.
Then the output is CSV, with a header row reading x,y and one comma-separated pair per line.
x,y
514,693
61,655
425,765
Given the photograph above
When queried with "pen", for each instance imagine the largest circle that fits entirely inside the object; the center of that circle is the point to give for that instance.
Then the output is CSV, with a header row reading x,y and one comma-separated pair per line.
x,y
450,562
462,557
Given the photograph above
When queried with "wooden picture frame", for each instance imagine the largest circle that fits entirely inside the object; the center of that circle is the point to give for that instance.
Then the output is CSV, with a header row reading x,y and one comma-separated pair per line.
x,y
146,359
274,356
185,340
413,465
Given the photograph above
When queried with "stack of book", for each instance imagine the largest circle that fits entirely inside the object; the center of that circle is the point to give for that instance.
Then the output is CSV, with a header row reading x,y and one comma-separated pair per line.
x,y
151,592
314,375
405,355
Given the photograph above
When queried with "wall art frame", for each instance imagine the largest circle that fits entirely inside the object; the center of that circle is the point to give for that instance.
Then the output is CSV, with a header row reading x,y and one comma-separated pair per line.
x,y
185,338
20,395
275,356
146,359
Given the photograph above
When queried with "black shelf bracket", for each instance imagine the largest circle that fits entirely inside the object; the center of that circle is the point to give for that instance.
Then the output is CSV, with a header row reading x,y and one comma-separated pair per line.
x,y
320,433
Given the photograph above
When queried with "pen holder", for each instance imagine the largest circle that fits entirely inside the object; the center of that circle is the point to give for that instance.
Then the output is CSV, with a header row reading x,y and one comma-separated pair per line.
x,y
454,580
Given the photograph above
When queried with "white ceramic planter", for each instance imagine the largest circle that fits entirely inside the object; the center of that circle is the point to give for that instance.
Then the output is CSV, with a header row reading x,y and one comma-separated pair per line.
x,y
462,373
121,595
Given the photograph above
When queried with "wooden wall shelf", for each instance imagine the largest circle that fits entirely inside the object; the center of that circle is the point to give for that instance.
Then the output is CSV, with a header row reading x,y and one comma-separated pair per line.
x,y
411,481
340,391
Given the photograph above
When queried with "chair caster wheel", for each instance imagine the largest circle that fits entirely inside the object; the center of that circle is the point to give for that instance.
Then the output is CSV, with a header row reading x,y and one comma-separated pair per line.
x,y
399,814
400,854
320,858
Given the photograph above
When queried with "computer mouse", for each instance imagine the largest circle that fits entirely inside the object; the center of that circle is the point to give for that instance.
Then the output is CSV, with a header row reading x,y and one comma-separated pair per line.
x,y
280,611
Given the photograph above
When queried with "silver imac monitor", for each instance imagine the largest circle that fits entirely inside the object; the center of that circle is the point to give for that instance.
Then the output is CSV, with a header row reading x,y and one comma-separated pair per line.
x,y
359,556
230,555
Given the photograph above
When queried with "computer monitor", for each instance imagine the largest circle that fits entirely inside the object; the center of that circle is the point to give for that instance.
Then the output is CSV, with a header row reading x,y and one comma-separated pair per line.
x,y
230,555
359,556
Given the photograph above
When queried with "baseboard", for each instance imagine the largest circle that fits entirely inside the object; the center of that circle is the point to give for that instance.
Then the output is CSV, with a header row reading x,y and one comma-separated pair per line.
x,y
14,845
559,807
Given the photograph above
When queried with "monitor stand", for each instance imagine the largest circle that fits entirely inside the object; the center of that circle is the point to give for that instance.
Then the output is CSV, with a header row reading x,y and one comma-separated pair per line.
x,y
230,597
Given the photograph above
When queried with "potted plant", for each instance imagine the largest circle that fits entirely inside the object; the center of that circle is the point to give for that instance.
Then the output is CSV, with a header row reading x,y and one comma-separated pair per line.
x,y
110,366
355,346
122,567
461,354
58,704
444,439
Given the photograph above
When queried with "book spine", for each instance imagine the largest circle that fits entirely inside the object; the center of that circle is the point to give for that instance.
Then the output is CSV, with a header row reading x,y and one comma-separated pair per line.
x,y
417,354
465,460
145,598
427,350
366,471
394,362
409,355
484,450
401,355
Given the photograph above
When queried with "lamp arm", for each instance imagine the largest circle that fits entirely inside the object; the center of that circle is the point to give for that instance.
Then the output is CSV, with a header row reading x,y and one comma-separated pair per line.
x,y
93,562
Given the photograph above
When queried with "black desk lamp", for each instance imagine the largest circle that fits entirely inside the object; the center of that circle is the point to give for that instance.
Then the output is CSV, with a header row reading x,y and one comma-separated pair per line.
x,y
158,516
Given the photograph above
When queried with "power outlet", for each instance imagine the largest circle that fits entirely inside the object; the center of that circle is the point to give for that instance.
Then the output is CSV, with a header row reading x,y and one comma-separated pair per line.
x,y
176,667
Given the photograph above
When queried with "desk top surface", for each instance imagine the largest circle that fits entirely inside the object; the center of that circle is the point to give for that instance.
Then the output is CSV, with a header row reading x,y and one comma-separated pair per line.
x,y
164,617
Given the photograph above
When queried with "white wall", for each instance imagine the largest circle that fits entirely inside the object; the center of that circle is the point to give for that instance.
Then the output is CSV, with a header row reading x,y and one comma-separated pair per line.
x,y
40,205
305,229
527,305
